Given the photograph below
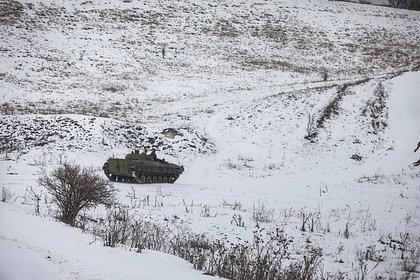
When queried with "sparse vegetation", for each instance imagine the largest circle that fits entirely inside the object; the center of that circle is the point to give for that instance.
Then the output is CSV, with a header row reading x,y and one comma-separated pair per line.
x,y
262,213
266,257
405,4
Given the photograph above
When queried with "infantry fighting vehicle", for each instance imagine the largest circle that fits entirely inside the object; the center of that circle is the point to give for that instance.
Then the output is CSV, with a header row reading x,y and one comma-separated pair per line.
x,y
142,168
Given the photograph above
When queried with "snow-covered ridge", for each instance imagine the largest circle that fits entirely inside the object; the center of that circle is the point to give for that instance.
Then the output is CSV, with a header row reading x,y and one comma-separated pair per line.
x,y
98,45
70,132
45,249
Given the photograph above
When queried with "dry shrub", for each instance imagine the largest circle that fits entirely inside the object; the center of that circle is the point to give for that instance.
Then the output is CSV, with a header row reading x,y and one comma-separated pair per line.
x,y
267,256
75,188
6,194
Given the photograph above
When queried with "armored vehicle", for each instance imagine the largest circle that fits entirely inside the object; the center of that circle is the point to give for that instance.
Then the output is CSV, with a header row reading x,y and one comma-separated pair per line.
x,y
142,168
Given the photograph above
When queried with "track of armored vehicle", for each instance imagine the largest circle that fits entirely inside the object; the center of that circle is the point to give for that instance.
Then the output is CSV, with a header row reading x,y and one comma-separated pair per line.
x,y
142,168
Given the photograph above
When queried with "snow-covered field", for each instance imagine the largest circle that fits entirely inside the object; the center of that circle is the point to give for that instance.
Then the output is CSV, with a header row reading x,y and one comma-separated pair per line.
x,y
239,81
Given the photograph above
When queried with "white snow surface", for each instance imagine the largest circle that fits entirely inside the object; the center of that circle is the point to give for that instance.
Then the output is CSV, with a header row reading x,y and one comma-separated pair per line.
x,y
404,116
82,81
39,248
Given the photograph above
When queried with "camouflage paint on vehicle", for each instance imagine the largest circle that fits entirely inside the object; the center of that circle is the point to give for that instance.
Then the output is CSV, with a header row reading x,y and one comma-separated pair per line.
x,y
142,168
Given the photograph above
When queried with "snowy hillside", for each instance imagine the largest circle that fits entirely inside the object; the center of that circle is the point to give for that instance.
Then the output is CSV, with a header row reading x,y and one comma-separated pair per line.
x,y
291,117
64,253
64,132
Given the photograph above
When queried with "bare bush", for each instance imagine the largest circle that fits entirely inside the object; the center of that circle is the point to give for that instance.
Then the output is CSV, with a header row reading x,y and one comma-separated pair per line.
x,y
307,268
360,269
309,220
117,227
149,235
75,188
410,265
261,213
261,259
377,109
363,259
205,211
346,233
324,74
304,218
311,131
6,194
237,220
7,109
36,198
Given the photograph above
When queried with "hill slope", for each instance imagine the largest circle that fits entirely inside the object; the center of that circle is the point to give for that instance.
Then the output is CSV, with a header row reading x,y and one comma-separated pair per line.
x,y
287,115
